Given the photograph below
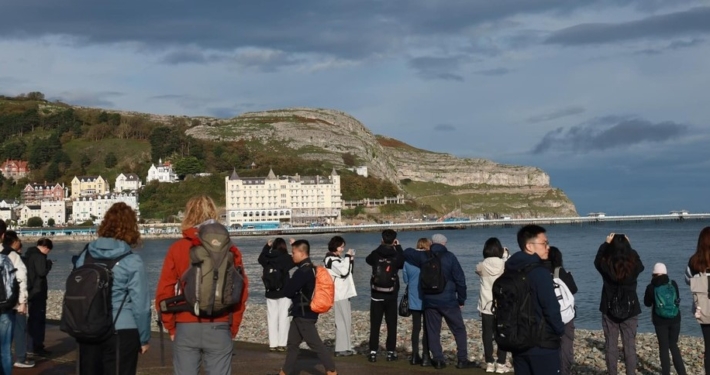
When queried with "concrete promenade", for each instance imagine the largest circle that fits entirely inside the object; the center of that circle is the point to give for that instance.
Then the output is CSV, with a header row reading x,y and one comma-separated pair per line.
x,y
248,359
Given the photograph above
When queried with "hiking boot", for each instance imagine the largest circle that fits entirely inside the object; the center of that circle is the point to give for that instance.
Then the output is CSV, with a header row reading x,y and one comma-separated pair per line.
x,y
438,364
392,356
503,368
466,364
415,360
426,360
372,357
25,364
491,367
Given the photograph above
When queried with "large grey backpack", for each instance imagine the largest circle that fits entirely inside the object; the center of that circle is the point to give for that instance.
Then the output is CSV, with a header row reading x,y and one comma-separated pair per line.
x,y
213,285
700,287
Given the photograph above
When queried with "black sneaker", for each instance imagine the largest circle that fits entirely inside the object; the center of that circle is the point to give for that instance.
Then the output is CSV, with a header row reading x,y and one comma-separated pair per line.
x,y
41,352
426,361
438,364
372,357
392,356
466,364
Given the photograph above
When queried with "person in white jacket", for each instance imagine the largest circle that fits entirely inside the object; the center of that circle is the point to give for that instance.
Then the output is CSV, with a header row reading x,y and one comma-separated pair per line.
x,y
341,268
11,247
489,270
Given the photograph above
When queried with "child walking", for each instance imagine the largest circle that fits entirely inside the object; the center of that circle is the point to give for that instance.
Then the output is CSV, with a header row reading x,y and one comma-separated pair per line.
x,y
662,294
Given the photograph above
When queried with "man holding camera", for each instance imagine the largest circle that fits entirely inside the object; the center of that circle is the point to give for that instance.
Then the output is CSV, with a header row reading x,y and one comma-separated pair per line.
x,y
38,266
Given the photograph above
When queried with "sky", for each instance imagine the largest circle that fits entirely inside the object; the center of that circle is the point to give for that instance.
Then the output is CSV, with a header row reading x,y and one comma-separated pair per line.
x,y
609,97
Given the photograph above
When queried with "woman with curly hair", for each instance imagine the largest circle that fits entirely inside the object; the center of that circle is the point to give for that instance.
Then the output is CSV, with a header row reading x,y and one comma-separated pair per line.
x,y
117,235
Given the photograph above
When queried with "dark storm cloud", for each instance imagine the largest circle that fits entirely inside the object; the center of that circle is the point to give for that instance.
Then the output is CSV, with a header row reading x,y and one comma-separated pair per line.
x,y
688,22
494,72
88,99
564,112
599,135
350,29
444,68
444,128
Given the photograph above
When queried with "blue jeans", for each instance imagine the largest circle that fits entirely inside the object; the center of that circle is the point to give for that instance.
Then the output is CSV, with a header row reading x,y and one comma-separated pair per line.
x,y
7,321
19,337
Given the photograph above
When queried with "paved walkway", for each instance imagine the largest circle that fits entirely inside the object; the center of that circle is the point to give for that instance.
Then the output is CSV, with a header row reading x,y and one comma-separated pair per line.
x,y
248,359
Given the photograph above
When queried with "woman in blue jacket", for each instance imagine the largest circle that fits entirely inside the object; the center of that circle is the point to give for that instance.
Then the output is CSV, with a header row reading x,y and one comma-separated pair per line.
x,y
411,278
118,233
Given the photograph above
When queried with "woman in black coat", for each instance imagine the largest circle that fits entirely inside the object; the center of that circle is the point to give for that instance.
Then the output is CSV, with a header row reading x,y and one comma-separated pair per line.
x,y
277,262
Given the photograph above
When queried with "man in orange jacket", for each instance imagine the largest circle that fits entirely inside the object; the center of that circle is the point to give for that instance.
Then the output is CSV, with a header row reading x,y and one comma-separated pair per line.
x,y
197,340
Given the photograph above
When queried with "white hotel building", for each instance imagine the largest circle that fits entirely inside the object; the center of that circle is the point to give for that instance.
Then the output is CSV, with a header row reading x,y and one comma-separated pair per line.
x,y
85,207
295,199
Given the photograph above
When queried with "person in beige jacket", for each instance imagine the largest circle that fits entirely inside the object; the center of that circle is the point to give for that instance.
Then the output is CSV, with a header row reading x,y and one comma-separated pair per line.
x,y
489,270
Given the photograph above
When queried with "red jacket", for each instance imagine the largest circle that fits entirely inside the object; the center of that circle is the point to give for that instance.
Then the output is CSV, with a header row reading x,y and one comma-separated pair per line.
x,y
177,261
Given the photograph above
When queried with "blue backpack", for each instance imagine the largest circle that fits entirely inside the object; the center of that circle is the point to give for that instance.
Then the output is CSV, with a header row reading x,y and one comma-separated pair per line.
x,y
666,301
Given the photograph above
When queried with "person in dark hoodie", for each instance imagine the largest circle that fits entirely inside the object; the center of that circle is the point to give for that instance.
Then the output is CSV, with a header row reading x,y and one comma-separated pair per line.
x,y
446,305
554,261
619,265
38,266
277,262
667,327
544,357
118,234
386,261
303,325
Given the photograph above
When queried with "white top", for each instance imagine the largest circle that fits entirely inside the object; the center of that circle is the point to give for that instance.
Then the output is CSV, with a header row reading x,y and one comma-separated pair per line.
x,y
488,270
20,275
339,267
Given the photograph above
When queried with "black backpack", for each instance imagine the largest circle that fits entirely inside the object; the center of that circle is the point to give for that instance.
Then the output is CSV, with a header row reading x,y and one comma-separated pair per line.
x,y
620,303
516,328
273,279
9,285
87,311
384,275
431,276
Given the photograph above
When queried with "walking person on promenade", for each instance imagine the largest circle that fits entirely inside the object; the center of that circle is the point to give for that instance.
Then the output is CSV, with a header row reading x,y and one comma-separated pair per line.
x,y
38,266
386,261
696,275
117,235
662,296
411,278
303,325
196,340
446,303
489,270
11,247
542,355
553,263
276,261
340,267
619,265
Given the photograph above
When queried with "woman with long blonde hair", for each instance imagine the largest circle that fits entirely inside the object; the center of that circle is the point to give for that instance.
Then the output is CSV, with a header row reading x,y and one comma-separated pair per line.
x,y
196,341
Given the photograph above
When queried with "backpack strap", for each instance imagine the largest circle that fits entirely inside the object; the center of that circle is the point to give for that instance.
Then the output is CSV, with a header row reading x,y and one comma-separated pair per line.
x,y
556,273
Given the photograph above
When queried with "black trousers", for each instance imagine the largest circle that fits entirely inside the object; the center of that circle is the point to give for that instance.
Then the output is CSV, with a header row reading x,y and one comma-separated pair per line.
x,y
705,328
101,358
36,320
668,340
388,309
487,333
305,330
417,321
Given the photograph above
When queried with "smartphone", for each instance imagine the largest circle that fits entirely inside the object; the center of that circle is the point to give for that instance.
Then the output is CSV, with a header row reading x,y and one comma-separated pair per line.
x,y
620,236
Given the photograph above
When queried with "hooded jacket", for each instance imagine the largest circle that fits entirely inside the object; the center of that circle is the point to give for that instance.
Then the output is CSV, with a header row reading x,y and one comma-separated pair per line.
x,y
489,270
547,309
454,293
176,262
386,251
20,275
649,299
300,289
37,269
410,274
341,269
610,280
129,277
276,260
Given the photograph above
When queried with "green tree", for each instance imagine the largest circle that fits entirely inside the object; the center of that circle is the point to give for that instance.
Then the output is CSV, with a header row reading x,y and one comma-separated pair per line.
x,y
188,165
35,95
114,119
85,161
35,222
103,117
110,161
164,142
50,222
53,172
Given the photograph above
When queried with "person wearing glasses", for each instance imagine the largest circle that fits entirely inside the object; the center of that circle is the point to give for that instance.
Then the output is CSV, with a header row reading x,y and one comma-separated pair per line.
x,y
544,357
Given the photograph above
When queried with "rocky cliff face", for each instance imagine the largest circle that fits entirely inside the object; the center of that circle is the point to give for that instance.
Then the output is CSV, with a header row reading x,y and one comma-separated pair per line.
x,y
327,134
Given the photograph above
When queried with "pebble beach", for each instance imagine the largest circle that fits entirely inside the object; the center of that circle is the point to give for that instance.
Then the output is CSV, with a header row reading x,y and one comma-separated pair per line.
x,y
589,344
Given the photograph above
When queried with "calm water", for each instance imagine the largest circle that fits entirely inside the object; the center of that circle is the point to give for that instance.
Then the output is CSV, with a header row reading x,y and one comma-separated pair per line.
x,y
669,242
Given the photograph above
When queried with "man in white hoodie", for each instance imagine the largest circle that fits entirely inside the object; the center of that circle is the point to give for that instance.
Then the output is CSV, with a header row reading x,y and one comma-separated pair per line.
x,y
341,268
489,270
10,245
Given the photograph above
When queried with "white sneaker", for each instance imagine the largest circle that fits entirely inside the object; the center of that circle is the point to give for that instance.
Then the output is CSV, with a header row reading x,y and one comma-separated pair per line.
x,y
502,369
490,367
25,364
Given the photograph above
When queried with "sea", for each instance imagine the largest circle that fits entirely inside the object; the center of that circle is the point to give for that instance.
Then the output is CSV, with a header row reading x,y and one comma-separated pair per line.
x,y
669,242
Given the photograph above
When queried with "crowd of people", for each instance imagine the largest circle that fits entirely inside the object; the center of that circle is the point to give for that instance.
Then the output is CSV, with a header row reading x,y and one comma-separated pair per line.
x,y
525,301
